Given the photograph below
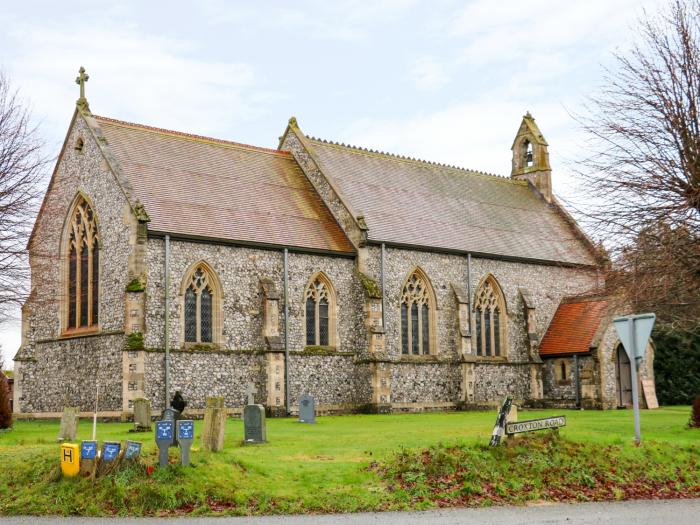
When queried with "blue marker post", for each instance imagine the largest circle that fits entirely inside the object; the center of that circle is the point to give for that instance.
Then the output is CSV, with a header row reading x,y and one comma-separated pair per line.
x,y
185,436
165,433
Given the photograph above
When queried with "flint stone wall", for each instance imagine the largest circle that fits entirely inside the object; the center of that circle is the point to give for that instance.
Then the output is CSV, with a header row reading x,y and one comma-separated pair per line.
x,y
415,382
55,373
65,373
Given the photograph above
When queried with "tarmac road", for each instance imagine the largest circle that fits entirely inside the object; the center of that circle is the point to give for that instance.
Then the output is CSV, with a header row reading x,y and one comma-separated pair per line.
x,y
677,512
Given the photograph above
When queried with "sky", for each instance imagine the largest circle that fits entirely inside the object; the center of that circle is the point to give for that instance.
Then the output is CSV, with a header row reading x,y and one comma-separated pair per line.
x,y
441,80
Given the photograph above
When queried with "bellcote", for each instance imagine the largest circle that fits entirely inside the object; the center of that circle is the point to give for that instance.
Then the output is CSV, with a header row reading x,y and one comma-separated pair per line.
x,y
531,158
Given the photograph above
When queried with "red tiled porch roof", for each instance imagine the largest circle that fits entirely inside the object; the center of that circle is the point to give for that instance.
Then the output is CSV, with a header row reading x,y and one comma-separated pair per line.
x,y
573,327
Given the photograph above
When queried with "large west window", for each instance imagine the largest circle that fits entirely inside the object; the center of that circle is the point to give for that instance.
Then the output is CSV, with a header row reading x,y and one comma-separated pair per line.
x,y
319,311
489,319
83,268
417,315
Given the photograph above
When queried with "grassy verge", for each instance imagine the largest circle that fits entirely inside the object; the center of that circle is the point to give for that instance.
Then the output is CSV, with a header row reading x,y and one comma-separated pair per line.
x,y
341,464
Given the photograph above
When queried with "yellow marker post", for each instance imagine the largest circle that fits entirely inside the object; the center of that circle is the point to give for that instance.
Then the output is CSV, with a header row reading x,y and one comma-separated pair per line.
x,y
70,460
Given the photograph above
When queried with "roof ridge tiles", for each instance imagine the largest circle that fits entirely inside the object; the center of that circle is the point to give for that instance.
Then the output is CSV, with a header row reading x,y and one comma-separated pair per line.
x,y
406,158
191,136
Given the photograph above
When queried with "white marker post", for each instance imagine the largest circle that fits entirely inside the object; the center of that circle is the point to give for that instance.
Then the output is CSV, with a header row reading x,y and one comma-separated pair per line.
x,y
94,417
634,332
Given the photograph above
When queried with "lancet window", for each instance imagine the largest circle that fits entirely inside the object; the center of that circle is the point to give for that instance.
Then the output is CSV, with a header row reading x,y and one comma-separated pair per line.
x,y
83,268
417,315
319,308
489,319
201,298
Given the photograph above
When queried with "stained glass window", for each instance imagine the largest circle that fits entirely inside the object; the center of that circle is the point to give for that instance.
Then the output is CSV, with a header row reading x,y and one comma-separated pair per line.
x,y
319,312
199,307
489,306
83,268
416,318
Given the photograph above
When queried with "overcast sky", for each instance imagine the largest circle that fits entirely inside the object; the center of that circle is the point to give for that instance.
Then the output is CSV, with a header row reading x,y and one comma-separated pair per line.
x,y
442,80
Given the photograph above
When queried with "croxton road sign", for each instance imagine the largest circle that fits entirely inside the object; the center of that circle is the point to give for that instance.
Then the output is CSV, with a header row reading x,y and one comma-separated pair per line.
x,y
634,332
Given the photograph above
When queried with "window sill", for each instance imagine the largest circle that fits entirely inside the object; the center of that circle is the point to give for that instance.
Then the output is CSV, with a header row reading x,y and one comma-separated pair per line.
x,y
426,358
200,346
74,333
491,359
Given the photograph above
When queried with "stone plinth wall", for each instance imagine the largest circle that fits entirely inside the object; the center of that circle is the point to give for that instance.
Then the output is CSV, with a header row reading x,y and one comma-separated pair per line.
x,y
65,373
202,374
331,379
421,382
494,381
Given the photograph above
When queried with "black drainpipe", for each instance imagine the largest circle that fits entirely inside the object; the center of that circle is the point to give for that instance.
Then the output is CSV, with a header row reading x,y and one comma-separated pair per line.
x,y
287,402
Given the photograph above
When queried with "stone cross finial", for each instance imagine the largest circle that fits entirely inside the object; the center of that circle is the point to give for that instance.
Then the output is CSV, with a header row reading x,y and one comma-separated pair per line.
x,y
80,80
249,391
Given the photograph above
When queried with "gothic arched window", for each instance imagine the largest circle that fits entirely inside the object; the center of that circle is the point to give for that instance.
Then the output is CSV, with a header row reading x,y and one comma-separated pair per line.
x,y
319,312
417,315
83,268
489,319
201,299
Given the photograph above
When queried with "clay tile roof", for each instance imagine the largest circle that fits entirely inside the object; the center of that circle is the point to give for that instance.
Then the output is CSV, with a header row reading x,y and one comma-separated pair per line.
x,y
413,202
573,327
209,188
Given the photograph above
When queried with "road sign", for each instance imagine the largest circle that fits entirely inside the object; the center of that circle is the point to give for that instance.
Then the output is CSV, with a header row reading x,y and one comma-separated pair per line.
x,y
635,340
634,332
165,434
110,451
516,427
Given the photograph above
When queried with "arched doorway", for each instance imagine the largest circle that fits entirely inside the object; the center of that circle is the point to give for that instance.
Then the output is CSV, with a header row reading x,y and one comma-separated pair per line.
x,y
623,372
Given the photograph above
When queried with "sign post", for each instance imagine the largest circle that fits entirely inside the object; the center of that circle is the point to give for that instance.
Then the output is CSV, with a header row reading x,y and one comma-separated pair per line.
x,y
165,433
634,332
185,436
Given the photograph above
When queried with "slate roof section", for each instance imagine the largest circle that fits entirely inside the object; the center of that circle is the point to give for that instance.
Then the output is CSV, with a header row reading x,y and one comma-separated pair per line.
x,y
573,326
208,188
417,203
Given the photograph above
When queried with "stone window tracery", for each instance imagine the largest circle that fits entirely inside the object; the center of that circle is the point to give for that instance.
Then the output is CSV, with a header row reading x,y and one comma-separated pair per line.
x,y
417,315
489,328
83,268
319,310
201,303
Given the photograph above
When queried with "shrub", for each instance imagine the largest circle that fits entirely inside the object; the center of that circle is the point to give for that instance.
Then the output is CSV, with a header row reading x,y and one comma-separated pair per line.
x,y
677,366
5,412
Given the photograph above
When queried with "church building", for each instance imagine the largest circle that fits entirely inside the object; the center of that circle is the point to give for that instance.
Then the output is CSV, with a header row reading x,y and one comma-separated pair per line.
x,y
165,261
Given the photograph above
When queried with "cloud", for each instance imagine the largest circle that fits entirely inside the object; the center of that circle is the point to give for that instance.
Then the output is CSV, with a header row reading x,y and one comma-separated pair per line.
x,y
429,74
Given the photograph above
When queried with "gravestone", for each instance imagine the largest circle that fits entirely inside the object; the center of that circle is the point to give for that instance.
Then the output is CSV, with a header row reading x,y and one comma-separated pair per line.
x,y
307,409
250,391
165,435
88,458
142,415
69,424
254,424
214,424
132,451
185,436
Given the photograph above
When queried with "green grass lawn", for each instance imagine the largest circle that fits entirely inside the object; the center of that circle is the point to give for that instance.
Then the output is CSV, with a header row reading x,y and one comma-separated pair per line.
x,y
303,468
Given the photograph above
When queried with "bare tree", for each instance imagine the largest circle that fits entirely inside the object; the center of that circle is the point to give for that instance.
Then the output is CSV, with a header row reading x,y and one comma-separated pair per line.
x,y
22,166
642,171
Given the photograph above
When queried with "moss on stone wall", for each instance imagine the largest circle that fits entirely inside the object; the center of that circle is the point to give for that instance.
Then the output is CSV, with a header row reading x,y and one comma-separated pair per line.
x,y
370,285
135,285
134,341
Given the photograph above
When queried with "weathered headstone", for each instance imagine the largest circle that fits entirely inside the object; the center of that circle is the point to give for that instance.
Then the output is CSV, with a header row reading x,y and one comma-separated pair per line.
x,y
250,391
88,458
214,424
254,424
69,424
165,435
142,415
185,436
307,409
70,462
132,451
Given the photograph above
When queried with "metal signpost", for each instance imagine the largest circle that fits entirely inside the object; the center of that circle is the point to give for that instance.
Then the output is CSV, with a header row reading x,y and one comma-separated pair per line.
x,y
634,332
500,426
110,451
164,438
516,427
88,458
185,436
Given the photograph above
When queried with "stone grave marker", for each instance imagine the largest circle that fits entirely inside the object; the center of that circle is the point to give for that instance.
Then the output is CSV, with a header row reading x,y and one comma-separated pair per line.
x,y
69,424
88,458
165,436
254,424
307,409
250,391
185,436
142,415
214,424
132,451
